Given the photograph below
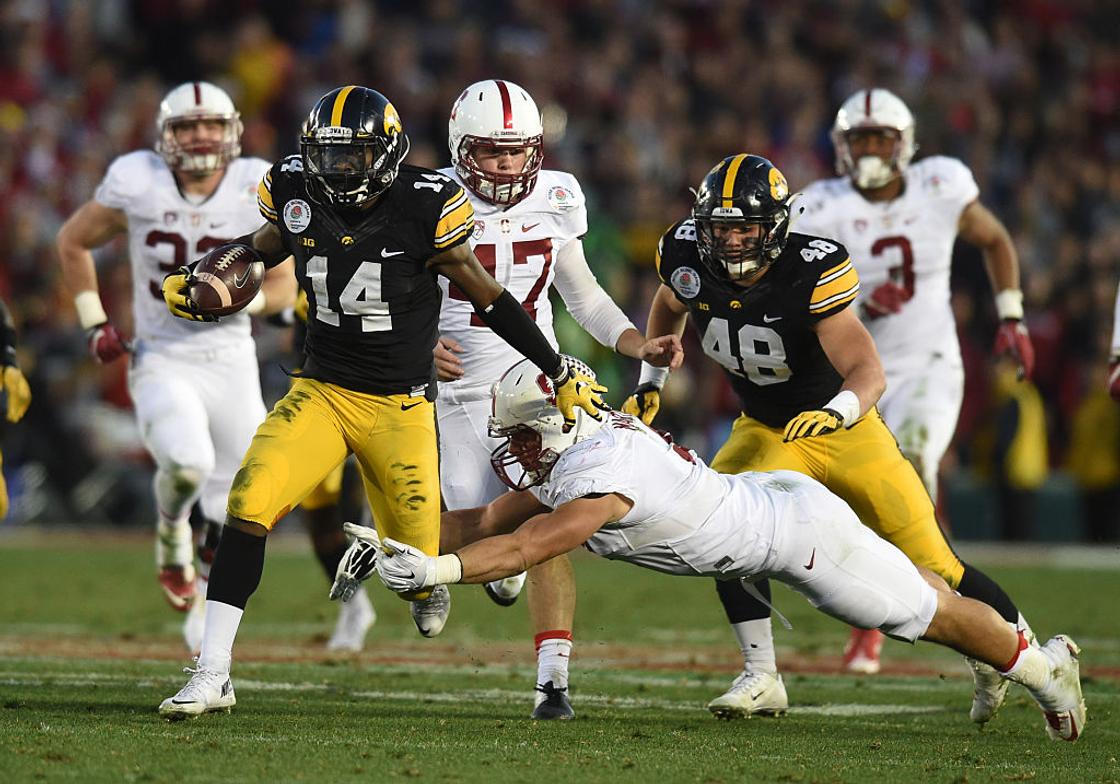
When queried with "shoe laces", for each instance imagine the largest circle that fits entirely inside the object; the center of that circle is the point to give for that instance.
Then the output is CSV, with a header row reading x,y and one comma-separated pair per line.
x,y
551,692
748,680
434,605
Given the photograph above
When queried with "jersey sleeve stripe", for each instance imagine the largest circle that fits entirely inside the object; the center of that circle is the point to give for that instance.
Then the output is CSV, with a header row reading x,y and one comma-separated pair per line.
x,y
829,286
839,269
454,236
264,196
818,306
453,203
729,179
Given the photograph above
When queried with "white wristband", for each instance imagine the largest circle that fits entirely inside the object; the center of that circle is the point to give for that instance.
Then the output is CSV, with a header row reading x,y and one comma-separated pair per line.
x,y
256,305
1009,304
653,375
846,404
90,311
449,569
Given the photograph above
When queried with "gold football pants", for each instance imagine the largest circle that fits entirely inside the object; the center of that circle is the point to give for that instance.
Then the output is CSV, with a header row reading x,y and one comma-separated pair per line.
x,y
308,434
864,466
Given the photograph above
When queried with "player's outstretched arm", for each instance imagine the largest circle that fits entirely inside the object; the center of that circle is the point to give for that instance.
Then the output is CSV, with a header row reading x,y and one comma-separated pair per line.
x,y
509,321
404,568
501,516
668,316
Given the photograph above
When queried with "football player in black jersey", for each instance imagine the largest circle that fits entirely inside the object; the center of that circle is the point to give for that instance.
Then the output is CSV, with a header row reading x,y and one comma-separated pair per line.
x,y
14,390
771,307
369,235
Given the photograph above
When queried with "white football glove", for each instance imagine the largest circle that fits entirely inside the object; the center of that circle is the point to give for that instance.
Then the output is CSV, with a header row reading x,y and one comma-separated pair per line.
x,y
403,567
358,562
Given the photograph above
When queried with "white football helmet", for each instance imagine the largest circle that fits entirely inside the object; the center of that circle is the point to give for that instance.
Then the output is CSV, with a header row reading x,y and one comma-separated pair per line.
x,y
198,101
523,408
870,109
496,113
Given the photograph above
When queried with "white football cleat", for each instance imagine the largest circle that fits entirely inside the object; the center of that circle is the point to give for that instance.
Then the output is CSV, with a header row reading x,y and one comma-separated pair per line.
x,y
354,619
504,592
205,692
430,614
1061,701
989,691
752,694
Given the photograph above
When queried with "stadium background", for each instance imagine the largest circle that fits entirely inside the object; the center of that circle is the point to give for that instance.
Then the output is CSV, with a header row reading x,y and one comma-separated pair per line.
x,y
640,99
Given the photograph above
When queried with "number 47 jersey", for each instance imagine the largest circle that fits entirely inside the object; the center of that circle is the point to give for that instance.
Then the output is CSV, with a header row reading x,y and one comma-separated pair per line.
x,y
763,335
519,246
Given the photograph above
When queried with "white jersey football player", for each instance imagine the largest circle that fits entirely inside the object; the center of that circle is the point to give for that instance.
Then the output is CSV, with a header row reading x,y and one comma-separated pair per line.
x,y
195,387
899,220
626,493
1114,352
529,224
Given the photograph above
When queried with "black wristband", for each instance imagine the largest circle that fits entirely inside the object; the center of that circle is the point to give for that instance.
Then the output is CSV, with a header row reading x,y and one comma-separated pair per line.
x,y
512,324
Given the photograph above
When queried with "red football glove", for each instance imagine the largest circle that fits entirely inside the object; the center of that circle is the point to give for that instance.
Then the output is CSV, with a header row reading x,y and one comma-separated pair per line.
x,y
1114,379
1013,340
888,298
106,344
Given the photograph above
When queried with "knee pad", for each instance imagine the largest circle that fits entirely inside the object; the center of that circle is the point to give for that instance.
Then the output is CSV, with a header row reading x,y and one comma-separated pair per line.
x,y
253,495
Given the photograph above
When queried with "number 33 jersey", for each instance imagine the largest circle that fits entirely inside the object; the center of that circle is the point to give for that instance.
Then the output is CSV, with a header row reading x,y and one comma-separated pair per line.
x,y
166,231
908,240
763,335
373,302
519,246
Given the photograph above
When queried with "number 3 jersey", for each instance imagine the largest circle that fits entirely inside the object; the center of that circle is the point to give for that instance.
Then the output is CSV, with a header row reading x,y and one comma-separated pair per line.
x,y
519,246
166,231
763,335
373,303
908,240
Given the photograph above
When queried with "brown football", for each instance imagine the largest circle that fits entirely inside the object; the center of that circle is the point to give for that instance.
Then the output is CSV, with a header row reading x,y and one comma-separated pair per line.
x,y
226,279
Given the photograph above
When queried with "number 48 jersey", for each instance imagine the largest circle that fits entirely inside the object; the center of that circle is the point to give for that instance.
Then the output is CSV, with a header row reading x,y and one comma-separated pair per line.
x,y
519,246
763,335
373,302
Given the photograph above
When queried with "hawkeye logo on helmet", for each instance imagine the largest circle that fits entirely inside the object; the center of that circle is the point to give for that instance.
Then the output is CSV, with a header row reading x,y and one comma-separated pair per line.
x,y
778,187
334,134
392,120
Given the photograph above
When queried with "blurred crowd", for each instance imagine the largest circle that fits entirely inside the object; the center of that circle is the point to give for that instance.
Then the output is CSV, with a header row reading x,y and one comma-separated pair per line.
x,y
640,99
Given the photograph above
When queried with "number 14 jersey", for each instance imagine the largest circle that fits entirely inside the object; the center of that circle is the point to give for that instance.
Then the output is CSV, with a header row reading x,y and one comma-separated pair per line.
x,y
763,335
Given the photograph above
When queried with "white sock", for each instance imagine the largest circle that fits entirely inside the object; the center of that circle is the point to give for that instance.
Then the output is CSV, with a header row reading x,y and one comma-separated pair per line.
x,y
222,621
756,641
552,661
1025,628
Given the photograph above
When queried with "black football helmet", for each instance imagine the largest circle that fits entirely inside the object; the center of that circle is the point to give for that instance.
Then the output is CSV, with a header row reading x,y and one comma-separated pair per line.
x,y
352,144
741,190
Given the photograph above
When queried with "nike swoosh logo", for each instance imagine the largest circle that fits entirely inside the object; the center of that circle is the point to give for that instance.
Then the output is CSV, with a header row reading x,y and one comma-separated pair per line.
x,y
771,319
240,280
530,227
387,253
217,225
406,406
756,695
812,558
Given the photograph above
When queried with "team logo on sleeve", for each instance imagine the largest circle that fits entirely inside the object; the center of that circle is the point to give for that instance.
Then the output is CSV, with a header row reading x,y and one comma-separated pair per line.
x,y
685,281
561,198
297,215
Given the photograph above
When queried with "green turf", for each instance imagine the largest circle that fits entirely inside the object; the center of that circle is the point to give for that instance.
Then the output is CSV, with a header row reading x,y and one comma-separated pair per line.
x,y
87,652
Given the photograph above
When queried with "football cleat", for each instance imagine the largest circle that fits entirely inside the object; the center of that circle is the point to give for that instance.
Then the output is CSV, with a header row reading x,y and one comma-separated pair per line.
x,y
430,614
354,619
504,592
178,584
1061,700
552,703
752,694
989,691
207,691
862,654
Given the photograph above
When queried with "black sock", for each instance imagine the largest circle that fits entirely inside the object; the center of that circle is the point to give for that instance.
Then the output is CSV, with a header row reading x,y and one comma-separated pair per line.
x,y
238,566
977,585
741,606
331,560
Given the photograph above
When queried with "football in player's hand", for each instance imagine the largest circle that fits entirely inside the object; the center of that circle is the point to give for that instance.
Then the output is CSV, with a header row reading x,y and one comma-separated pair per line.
x,y
226,279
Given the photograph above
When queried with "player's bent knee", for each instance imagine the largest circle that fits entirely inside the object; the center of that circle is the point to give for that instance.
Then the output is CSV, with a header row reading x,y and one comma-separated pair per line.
x,y
184,480
246,526
253,495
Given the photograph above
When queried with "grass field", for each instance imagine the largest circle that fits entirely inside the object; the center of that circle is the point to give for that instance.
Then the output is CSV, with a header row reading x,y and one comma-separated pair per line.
x,y
87,651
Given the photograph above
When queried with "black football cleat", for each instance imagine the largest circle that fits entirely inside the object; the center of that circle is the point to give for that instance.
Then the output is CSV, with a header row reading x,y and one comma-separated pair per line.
x,y
553,703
